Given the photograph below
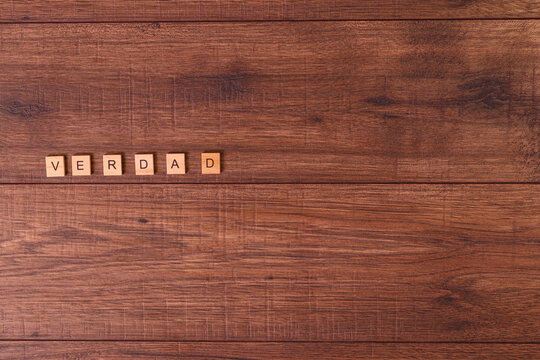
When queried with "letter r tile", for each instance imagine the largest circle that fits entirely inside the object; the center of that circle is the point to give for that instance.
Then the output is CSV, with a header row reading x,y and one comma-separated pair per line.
x,y
112,165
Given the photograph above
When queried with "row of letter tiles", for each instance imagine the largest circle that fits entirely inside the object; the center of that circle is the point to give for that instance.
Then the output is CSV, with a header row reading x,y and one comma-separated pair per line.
x,y
81,165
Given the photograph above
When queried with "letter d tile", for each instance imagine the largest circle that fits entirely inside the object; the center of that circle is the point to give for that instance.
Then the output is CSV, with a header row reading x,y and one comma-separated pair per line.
x,y
144,164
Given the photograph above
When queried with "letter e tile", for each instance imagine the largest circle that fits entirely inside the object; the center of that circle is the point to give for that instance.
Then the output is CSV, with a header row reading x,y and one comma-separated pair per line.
x,y
81,165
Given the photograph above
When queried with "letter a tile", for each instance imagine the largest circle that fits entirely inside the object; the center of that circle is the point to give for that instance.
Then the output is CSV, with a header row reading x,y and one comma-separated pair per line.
x,y
176,164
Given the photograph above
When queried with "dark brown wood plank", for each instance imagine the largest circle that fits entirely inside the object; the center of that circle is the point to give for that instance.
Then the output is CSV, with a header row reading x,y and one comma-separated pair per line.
x,y
270,262
285,102
214,10
44,350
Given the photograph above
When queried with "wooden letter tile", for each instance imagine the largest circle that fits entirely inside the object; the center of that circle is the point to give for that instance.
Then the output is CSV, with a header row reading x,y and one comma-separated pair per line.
x,y
211,163
112,165
81,165
144,164
55,166
176,164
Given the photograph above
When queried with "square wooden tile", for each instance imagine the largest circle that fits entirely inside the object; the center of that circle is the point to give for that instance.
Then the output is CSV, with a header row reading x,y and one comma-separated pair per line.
x,y
112,165
176,164
55,166
81,165
211,163
144,164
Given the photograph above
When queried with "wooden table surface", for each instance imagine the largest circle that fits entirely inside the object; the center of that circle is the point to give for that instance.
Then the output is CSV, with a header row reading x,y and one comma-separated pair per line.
x,y
379,195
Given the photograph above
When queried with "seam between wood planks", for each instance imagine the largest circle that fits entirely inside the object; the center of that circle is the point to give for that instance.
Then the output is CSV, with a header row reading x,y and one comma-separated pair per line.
x,y
275,342
270,183
262,21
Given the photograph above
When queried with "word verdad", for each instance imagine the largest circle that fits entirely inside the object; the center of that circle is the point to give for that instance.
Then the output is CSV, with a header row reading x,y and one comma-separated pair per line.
x,y
81,165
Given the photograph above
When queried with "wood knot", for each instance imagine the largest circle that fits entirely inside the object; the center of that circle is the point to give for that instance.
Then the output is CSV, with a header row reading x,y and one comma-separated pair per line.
x,y
24,110
490,92
380,100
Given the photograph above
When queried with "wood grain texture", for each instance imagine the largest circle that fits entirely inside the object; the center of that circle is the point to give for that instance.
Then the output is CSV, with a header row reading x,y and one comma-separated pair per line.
x,y
284,102
28,350
270,262
214,10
